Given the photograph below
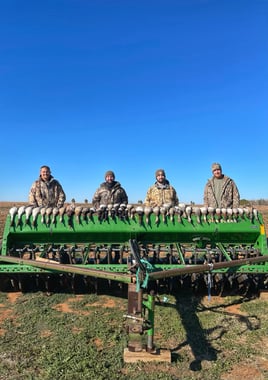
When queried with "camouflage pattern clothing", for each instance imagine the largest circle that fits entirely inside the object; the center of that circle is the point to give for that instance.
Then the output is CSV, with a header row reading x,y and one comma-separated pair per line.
x,y
158,195
109,194
48,194
228,195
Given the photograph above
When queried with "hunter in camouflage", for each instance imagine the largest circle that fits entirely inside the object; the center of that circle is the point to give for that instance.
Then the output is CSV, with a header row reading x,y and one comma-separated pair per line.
x,y
46,191
221,191
161,192
109,192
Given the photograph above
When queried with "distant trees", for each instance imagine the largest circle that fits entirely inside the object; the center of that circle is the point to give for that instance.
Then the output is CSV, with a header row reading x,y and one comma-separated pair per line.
x,y
259,202
243,202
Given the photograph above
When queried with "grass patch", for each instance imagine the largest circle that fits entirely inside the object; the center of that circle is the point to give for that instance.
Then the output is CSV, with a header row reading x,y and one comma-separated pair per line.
x,y
67,336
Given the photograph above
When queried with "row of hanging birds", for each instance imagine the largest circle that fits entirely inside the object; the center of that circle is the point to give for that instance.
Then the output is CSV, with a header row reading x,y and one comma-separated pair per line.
x,y
50,215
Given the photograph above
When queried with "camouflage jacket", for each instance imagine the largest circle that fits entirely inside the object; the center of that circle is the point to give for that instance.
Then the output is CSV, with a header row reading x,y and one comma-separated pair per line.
x,y
49,194
158,196
105,195
229,194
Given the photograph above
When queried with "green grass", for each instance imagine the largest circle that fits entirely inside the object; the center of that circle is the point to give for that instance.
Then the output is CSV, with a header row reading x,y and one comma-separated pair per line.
x,y
39,340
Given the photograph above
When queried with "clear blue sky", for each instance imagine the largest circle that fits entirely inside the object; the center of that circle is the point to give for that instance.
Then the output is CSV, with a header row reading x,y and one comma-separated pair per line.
x,y
133,86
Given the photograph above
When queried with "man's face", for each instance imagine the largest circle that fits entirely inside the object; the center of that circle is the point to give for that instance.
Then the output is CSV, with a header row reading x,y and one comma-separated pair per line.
x,y
217,173
160,177
109,178
45,174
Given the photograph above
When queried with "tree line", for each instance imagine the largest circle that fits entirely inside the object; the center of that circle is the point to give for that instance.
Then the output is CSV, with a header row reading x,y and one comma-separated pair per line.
x,y
243,202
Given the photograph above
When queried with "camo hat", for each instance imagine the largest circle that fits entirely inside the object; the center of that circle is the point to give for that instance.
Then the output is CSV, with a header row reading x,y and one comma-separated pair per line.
x,y
215,166
160,171
109,172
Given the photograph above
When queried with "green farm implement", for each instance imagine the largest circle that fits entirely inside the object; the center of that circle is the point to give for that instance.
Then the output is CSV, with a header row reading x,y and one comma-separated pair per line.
x,y
147,249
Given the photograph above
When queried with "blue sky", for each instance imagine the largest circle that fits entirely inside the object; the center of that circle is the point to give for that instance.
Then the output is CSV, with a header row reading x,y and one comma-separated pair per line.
x,y
132,86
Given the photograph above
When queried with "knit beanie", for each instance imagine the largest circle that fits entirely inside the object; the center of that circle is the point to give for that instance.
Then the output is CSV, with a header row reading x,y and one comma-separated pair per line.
x,y
160,171
215,166
109,172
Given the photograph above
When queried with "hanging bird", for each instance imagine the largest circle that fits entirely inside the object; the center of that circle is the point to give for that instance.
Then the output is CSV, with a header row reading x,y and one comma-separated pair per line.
x,y
241,212
109,208
48,213
235,215
230,214
140,212
28,212
91,212
69,213
55,212
12,212
163,212
101,212
188,211
218,215
43,213
204,212
129,207
197,212
77,212
179,211
247,212
156,211
116,207
132,212
224,214
105,213
182,206
85,211
122,211
167,205
112,212
171,213
61,213
256,214
21,211
35,213
211,212
147,212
